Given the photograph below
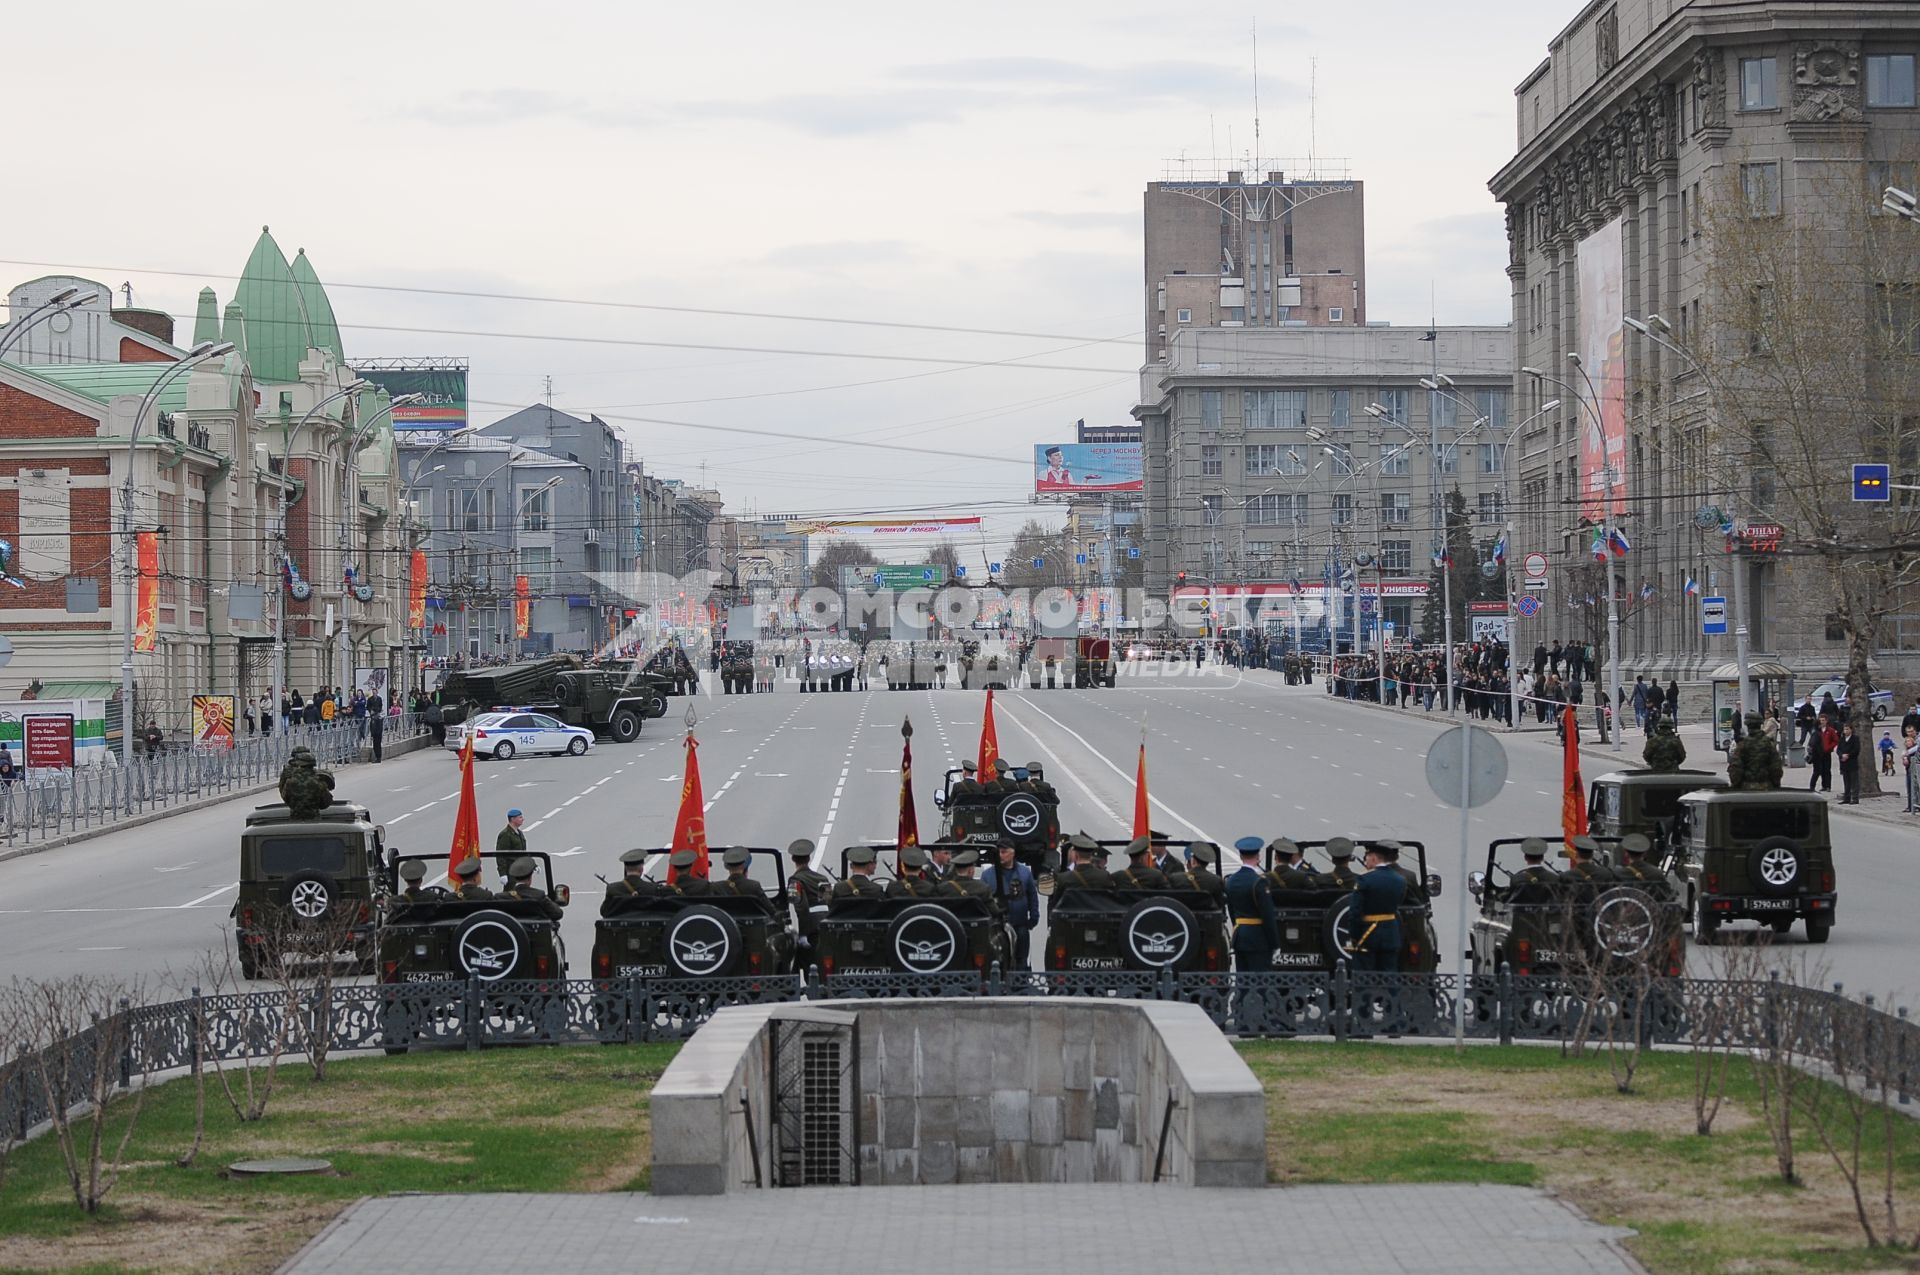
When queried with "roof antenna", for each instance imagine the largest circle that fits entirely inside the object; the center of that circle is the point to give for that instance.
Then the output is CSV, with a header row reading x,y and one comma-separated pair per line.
x,y
127,290
549,383
1313,116
1255,166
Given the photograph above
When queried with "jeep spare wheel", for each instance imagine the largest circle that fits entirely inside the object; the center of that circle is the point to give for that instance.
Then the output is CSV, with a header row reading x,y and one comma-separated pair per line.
x,y
1774,865
310,894
489,945
703,942
926,939
1159,933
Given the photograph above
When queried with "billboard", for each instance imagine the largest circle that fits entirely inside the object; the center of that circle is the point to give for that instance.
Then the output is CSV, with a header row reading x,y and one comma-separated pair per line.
x,y
881,526
1603,420
213,721
49,741
443,391
1075,468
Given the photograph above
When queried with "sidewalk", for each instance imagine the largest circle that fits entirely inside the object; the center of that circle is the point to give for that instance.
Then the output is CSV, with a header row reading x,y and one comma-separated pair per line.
x,y
1024,1229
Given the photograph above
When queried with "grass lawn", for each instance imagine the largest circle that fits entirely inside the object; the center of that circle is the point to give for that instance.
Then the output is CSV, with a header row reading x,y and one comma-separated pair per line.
x,y
502,1120
1527,1116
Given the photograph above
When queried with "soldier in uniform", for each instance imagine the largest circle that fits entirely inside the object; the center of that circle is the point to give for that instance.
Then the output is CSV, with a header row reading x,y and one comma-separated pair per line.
x,y
413,872
1290,870
1201,856
940,862
1085,874
633,883
1634,866
1041,788
1176,873
1532,883
968,788
860,883
808,891
467,886
520,887
1140,874
1256,926
963,882
1584,868
1381,888
1341,876
738,860
510,842
1002,782
913,881
688,877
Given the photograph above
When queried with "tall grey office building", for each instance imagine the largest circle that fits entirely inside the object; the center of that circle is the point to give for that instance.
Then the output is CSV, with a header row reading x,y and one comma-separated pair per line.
x,y
1226,251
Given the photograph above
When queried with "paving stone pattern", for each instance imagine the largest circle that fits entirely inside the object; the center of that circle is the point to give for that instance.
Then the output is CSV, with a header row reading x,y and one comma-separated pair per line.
x,y
1428,1230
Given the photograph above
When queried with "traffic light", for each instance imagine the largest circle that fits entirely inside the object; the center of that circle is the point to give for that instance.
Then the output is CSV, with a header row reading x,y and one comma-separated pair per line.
x,y
1182,577
1872,483
630,614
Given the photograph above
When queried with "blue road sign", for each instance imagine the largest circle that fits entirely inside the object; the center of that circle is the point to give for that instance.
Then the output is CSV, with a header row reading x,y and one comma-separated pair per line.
x,y
1080,559
1133,551
1039,563
1873,483
1713,616
993,568
960,573
927,575
1528,605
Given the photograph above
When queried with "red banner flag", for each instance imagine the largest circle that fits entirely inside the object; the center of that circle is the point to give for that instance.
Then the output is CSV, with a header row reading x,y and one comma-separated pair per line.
x,y
1141,820
521,605
690,825
146,598
909,820
989,741
1573,794
417,591
466,822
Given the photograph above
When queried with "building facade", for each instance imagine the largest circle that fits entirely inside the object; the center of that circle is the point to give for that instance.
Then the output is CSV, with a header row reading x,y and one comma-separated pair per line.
x,y
1264,467
1649,120
1234,252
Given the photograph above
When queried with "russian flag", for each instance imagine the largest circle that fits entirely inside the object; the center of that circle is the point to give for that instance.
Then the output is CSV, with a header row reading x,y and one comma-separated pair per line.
x,y
1620,546
1646,590
1599,549
1500,551
1693,587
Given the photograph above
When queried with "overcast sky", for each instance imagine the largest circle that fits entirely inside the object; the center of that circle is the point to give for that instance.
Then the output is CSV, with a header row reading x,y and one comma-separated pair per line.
x,y
976,166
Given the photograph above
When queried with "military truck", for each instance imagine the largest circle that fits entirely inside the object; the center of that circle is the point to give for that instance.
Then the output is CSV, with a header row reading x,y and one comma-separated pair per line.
x,y
713,935
1644,801
306,877
926,935
1562,926
443,937
1318,926
1185,930
609,703
1761,856
1030,821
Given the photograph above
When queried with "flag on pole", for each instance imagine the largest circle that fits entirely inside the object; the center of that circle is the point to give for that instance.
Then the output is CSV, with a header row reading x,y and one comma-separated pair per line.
x,y
1646,590
1573,794
690,824
1619,541
909,834
466,821
989,742
1142,821
1500,551
1693,587
1599,548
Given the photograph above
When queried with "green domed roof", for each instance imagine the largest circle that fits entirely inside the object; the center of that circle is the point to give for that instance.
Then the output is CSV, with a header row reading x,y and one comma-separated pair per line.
x,y
277,329
323,332
206,318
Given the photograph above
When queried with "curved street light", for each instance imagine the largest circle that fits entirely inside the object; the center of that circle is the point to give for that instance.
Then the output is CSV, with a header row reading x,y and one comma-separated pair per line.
x,y
61,302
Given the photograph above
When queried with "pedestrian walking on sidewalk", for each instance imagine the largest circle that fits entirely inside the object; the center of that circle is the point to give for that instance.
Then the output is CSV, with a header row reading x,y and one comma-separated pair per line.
x,y
1820,746
1849,753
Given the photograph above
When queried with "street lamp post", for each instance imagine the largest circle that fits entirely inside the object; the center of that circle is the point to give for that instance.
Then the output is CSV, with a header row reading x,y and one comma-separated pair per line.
x,y
59,303
1431,443
350,490
194,358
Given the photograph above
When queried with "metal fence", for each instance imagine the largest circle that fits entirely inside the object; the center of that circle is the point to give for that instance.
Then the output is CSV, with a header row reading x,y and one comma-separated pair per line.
x,y
1809,1024
46,806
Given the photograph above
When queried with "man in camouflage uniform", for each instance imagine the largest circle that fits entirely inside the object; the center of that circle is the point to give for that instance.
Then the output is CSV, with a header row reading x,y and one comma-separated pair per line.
x,y
1754,763
305,788
1664,753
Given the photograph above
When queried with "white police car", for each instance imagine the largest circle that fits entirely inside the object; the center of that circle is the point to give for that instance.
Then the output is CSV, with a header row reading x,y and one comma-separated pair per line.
x,y
502,735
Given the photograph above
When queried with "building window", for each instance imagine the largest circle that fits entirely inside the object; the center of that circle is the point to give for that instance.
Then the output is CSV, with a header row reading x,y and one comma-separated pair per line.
x,y
1396,509
1339,409
1276,509
1890,79
1336,314
1263,461
536,508
1210,510
1343,509
1341,455
1759,80
536,564
1396,556
1492,404
1444,411
1493,457
1880,175
1897,311
1209,409
1394,403
1448,457
1761,184
1490,510
1183,316
1276,409
470,509
1209,461
1393,461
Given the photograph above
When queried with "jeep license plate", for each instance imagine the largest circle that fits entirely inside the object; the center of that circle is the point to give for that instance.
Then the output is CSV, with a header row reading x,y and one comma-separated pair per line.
x,y
426,976
1772,905
639,971
1291,959
1095,962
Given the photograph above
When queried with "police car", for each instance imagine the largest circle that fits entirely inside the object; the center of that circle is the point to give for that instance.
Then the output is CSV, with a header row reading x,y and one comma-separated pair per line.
x,y
509,733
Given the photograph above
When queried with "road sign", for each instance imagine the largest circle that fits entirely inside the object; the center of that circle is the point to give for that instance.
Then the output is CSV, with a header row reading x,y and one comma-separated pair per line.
x,y
1873,483
1039,563
993,568
1133,551
1535,565
1080,559
1534,586
1463,775
1528,605
959,573
1713,616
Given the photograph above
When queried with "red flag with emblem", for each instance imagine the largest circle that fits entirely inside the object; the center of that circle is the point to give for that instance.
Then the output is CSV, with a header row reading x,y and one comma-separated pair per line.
x,y
1573,794
466,823
1141,821
989,742
690,825
909,821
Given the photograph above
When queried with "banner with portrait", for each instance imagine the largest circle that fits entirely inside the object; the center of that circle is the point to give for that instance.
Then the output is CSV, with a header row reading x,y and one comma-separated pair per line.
x,y
1601,379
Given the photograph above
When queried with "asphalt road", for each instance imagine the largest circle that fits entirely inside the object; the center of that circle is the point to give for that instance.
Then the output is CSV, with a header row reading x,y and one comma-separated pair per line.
x,y
1228,755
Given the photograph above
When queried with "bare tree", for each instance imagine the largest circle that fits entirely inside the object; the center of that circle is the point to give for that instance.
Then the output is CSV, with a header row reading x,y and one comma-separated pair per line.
x,y
300,957
1721,1018
1850,1115
77,1032
1786,1022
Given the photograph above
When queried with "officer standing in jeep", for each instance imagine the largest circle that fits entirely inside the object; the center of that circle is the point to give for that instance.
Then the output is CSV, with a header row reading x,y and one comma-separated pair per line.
x,y
913,881
633,883
413,872
1381,888
738,860
467,886
1290,870
1140,874
860,883
1085,874
962,883
1341,875
1041,788
1583,867
1201,856
1634,848
520,887
810,891
689,879
1256,925
968,789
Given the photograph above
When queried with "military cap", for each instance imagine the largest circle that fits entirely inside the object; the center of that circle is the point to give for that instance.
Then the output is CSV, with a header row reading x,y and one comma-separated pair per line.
x,y
1034,769
520,869
966,859
1388,850
862,855
1202,851
1283,845
1339,848
801,849
1081,841
1139,846
968,766
634,858
468,867
413,870
913,857
1159,838
1249,845
1587,846
1000,766
683,858
514,813
1636,843
1534,847
737,856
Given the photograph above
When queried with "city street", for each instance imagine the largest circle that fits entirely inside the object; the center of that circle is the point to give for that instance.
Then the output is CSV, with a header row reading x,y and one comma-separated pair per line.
x,y
1228,755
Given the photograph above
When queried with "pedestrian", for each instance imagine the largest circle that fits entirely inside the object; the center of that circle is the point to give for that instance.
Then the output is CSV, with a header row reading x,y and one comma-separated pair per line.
x,y
1640,701
155,738
266,714
1912,720
1886,753
376,719
248,714
1820,746
1849,752
1013,886
1910,737
9,769
1673,702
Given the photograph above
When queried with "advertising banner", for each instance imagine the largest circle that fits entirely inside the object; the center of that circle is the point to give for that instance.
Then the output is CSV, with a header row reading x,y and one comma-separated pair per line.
x,y
881,526
146,598
417,590
522,600
49,741
1075,468
1603,416
443,391
213,720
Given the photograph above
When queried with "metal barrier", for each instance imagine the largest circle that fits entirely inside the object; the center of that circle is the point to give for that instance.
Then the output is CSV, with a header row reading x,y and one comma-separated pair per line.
x,y
151,1039
42,807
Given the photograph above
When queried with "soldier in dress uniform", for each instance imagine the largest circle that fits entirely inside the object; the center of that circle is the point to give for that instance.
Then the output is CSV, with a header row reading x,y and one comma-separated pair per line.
x,y
1290,870
1175,869
1140,874
963,882
1532,882
1381,888
467,885
860,883
738,860
940,862
1341,875
913,881
688,878
808,891
1002,782
520,886
1256,926
1416,888
413,872
1201,856
1085,874
633,883
1584,867
1635,866
968,788
1041,788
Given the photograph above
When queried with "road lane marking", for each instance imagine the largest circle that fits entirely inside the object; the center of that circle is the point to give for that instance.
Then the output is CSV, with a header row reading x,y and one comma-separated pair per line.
x,y
398,818
550,814
209,896
179,867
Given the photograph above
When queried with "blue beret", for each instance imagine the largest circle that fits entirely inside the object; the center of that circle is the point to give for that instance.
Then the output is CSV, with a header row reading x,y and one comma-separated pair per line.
x,y
514,813
1249,845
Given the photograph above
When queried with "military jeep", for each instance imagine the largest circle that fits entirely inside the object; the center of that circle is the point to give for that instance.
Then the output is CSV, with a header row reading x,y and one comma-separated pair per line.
x,y
1563,926
1642,801
714,935
1116,929
1761,856
1319,926
307,878
442,937
1029,820
941,934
